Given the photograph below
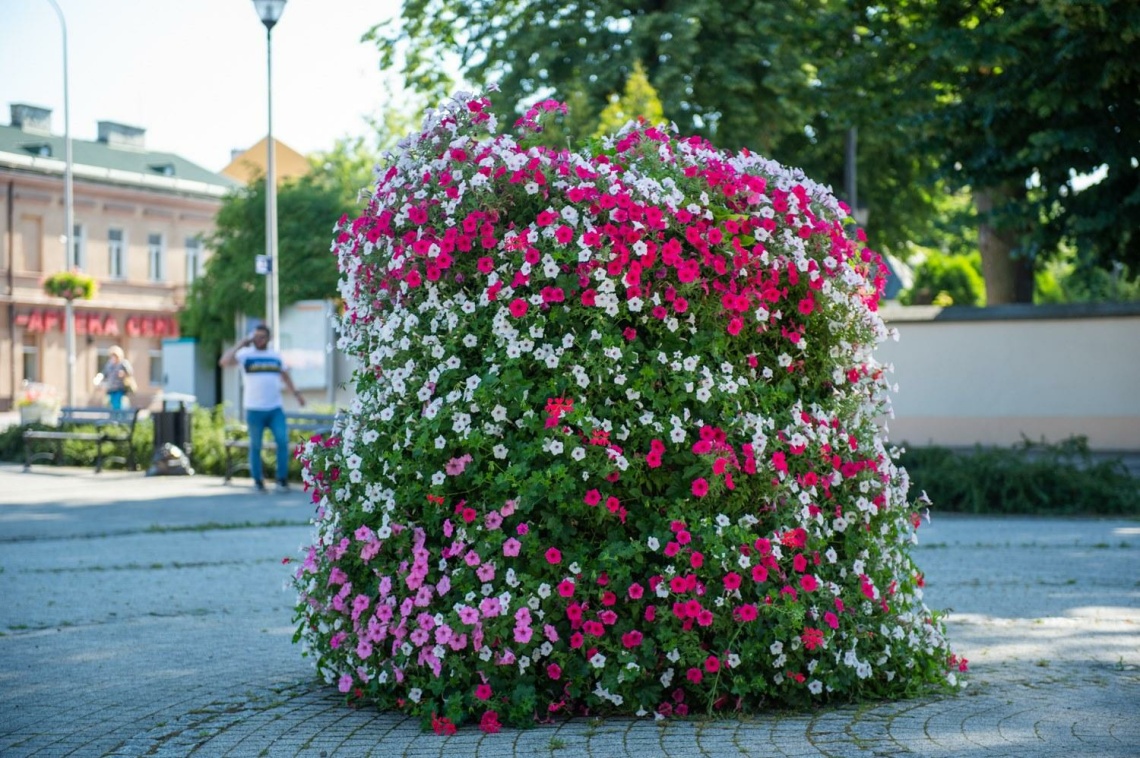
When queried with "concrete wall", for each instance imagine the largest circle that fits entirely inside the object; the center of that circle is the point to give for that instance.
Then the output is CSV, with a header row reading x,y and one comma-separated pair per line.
x,y
992,375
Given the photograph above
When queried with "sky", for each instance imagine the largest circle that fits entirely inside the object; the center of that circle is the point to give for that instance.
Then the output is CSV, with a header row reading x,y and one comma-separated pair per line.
x,y
193,72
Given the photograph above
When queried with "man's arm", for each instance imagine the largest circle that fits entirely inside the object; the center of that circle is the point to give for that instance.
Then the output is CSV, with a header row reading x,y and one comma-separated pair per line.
x,y
229,357
289,384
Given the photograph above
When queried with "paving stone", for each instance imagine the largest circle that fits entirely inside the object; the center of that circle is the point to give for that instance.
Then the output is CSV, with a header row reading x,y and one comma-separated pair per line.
x,y
128,629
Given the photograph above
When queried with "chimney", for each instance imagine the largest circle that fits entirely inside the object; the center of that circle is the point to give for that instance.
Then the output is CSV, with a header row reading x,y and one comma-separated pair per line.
x,y
235,153
31,118
122,136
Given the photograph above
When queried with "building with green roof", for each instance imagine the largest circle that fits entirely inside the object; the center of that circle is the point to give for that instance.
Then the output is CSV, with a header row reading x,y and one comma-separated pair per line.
x,y
141,220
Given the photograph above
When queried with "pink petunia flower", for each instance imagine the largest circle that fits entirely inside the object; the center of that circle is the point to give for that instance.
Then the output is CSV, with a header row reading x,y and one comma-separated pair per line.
x,y
700,487
553,556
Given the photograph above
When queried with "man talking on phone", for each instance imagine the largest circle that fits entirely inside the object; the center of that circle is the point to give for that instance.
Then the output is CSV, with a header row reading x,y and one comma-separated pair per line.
x,y
263,373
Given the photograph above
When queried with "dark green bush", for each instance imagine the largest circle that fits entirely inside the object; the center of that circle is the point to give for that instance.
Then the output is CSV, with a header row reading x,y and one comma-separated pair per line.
x,y
1062,479
947,280
208,454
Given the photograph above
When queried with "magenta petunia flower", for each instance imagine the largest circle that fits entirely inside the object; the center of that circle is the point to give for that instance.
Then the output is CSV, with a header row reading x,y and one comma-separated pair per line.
x,y
700,487
553,556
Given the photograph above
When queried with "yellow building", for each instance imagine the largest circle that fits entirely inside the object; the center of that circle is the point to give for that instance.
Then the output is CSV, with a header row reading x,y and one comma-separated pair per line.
x,y
249,164
140,220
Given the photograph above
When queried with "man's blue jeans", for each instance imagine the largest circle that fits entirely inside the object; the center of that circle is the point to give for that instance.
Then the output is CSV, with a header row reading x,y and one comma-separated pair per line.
x,y
258,422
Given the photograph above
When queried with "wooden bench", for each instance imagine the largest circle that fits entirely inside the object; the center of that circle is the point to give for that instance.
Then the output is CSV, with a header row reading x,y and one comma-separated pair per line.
x,y
297,423
113,429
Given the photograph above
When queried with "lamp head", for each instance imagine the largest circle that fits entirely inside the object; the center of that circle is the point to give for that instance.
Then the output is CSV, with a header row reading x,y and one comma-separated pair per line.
x,y
269,11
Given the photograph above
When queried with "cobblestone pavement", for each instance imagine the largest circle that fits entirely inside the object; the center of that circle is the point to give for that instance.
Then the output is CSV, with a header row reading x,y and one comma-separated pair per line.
x,y
150,617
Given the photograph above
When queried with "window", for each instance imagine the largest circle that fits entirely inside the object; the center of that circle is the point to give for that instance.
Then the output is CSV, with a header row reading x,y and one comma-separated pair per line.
x,y
117,254
156,367
193,259
78,259
30,348
156,255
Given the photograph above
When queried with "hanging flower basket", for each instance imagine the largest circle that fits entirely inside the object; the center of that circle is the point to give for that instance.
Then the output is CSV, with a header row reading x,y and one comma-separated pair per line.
x,y
615,444
70,285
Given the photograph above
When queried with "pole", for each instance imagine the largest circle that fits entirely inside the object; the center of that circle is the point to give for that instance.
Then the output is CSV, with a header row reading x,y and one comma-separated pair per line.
x,y
68,206
272,303
70,354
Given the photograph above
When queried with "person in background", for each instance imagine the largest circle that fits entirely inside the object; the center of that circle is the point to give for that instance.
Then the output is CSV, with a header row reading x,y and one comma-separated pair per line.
x,y
263,373
116,377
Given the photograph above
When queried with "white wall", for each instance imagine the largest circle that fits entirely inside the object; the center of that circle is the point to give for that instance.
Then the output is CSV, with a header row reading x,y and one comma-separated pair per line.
x,y
992,375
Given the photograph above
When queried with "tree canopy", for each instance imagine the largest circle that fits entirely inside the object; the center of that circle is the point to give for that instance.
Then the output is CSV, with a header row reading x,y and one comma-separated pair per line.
x,y
307,209
1008,99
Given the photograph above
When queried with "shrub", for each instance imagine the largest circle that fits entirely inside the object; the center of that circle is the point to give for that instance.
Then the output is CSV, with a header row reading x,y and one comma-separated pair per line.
x,y
614,446
207,435
947,280
1030,478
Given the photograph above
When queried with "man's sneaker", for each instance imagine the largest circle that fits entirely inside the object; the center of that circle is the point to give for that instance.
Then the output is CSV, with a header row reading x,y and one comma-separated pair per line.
x,y
259,487
282,486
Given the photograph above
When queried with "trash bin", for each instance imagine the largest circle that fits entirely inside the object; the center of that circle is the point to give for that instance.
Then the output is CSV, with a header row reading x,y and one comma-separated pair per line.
x,y
172,437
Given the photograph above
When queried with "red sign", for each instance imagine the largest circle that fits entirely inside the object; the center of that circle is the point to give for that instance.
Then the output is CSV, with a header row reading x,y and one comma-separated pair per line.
x,y
98,324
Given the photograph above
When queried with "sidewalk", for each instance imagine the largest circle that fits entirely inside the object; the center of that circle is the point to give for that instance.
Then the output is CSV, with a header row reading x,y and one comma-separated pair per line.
x,y
151,617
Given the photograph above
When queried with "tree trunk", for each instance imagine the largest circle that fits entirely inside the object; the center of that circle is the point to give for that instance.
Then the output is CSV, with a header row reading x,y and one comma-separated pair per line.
x,y
1009,278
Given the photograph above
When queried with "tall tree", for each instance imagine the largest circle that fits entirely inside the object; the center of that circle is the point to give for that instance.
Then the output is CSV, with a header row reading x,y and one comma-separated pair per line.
x,y
638,100
1026,95
776,77
1008,99
307,211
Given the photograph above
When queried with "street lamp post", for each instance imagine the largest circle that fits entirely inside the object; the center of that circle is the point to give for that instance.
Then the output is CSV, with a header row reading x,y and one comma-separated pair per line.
x,y
68,208
270,11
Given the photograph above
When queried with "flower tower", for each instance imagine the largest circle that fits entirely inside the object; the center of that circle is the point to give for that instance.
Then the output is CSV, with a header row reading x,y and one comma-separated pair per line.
x,y
615,442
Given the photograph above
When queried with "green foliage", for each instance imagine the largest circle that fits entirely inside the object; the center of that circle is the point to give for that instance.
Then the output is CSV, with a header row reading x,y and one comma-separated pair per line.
x,y
1027,95
639,100
70,285
786,79
207,429
1062,281
946,94
1030,478
306,210
947,280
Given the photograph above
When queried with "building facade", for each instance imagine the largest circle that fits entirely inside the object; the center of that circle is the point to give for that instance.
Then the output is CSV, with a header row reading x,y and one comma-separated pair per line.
x,y
141,221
